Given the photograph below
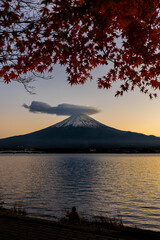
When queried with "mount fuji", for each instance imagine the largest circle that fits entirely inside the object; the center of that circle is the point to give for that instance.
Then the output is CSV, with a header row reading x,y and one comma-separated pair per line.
x,y
83,134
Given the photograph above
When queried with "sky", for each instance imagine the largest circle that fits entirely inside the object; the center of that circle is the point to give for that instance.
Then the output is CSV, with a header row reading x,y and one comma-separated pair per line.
x,y
133,111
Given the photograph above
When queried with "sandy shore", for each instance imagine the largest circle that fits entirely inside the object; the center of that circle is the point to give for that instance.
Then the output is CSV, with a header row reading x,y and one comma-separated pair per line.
x,y
18,229
27,228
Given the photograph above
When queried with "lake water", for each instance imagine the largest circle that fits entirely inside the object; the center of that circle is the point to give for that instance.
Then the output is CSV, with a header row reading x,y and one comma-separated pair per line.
x,y
97,184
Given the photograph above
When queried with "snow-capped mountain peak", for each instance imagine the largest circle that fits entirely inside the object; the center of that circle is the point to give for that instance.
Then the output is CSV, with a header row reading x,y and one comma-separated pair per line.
x,y
79,121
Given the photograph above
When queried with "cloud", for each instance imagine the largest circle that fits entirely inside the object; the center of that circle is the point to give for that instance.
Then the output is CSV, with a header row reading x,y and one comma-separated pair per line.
x,y
61,109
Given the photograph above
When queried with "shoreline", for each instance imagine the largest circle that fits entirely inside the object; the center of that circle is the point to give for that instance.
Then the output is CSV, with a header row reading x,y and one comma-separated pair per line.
x,y
81,152
32,228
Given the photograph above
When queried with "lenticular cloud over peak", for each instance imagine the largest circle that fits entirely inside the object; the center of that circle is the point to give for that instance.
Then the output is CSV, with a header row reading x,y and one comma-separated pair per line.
x,y
62,109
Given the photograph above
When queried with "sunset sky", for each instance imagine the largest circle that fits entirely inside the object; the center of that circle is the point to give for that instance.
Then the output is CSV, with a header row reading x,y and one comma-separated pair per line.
x,y
132,112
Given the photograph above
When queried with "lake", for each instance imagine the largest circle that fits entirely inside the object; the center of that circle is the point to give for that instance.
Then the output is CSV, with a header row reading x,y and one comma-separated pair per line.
x,y
97,184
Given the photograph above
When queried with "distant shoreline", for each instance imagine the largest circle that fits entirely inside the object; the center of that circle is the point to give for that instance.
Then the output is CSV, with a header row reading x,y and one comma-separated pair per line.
x,y
89,151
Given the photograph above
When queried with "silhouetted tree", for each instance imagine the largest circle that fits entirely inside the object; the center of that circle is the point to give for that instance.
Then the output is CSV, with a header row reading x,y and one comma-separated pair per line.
x,y
81,35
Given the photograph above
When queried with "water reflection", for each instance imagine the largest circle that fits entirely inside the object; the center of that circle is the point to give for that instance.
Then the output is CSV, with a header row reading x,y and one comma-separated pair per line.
x,y
77,177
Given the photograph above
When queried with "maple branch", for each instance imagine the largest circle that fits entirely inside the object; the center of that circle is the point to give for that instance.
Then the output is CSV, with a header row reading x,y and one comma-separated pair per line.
x,y
81,35
25,82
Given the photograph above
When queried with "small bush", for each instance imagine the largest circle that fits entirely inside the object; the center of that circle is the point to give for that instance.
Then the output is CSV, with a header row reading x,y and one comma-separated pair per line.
x,y
1,203
109,223
18,208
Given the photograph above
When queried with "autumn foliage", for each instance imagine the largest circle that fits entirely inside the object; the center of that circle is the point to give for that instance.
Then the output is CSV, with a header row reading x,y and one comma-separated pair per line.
x,y
82,35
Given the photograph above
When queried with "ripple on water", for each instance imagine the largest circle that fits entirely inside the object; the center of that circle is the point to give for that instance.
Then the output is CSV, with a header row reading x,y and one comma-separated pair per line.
x,y
98,184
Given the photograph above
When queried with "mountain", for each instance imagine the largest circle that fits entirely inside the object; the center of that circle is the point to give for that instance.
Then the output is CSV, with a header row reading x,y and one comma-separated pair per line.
x,y
80,133
79,121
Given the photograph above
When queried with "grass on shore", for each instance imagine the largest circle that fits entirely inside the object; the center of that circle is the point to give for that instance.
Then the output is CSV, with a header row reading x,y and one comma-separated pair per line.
x,y
100,225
